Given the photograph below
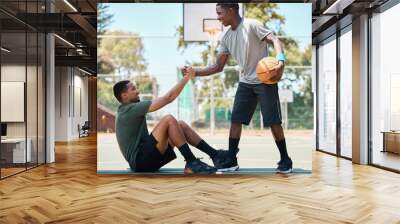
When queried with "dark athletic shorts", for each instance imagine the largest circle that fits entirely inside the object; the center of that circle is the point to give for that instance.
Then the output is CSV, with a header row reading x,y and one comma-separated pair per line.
x,y
246,99
149,159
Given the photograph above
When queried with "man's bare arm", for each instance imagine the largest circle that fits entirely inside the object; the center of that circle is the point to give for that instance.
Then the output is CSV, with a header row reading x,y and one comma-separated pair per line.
x,y
272,39
215,68
172,94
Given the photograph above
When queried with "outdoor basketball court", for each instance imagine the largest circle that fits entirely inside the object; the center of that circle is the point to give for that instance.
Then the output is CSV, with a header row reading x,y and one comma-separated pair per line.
x,y
257,150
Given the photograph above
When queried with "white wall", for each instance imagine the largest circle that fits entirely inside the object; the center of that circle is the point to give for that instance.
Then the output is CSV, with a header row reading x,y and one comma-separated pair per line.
x,y
61,103
33,126
71,94
10,73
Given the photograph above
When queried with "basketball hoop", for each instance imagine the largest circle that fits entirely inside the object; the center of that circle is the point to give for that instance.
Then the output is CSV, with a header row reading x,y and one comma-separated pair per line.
x,y
197,17
213,28
213,35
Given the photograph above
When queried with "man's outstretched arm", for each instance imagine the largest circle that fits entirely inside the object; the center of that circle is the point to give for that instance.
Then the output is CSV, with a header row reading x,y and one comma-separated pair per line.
x,y
171,94
212,69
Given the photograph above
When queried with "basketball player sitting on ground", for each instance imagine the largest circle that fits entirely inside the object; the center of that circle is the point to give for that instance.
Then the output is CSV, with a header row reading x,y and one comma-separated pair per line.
x,y
148,153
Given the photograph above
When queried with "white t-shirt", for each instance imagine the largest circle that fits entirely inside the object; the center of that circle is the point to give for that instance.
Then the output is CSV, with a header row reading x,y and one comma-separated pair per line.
x,y
246,47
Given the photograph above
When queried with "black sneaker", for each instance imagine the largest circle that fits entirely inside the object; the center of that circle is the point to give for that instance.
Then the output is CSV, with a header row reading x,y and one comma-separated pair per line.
x,y
224,161
199,167
285,166
280,162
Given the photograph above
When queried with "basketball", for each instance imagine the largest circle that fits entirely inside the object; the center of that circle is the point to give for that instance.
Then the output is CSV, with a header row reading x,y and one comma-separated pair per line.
x,y
266,72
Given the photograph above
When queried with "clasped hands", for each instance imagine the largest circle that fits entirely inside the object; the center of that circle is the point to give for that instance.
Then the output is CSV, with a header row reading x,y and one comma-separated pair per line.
x,y
188,72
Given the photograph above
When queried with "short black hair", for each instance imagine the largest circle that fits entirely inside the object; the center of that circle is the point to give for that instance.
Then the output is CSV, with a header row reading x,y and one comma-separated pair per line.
x,y
227,5
119,88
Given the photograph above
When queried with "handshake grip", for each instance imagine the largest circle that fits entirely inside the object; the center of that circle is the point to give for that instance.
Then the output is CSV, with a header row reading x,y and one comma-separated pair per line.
x,y
188,71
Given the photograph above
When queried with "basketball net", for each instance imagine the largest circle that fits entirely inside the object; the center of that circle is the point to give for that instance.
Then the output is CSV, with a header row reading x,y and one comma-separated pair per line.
x,y
213,36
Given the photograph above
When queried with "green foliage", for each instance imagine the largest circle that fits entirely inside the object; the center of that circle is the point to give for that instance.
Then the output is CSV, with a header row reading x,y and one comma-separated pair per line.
x,y
120,58
125,54
105,95
104,18
300,112
104,65
146,84
264,12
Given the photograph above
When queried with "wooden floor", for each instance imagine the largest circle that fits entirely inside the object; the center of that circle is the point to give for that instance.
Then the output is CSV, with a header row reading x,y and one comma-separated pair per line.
x,y
10,171
387,159
70,191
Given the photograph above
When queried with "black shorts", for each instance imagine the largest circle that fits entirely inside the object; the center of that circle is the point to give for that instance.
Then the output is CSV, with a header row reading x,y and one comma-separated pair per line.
x,y
246,99
149,159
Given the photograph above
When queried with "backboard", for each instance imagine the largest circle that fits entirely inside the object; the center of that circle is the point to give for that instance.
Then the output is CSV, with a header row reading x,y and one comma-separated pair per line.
x,y
198,18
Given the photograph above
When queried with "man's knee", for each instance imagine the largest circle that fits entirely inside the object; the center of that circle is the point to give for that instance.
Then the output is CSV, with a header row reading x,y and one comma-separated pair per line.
x,y
183,124
168,117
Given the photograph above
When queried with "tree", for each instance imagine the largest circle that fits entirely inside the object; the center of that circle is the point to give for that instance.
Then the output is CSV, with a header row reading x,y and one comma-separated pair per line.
x,y
147,85
104,18
264,12
125,52
104,65
105,94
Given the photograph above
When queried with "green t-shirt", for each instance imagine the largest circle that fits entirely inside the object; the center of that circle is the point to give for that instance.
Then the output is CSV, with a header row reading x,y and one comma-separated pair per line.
x,y
131,126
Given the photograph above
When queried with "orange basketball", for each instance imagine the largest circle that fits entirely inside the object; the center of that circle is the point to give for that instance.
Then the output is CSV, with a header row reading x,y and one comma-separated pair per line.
x,y
266,72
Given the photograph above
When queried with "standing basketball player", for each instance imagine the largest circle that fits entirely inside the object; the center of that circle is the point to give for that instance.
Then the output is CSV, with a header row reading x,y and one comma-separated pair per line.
x,y
246,42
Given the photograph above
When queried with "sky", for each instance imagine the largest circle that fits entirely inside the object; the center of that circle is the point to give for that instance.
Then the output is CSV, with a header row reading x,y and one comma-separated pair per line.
x,y
156,23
